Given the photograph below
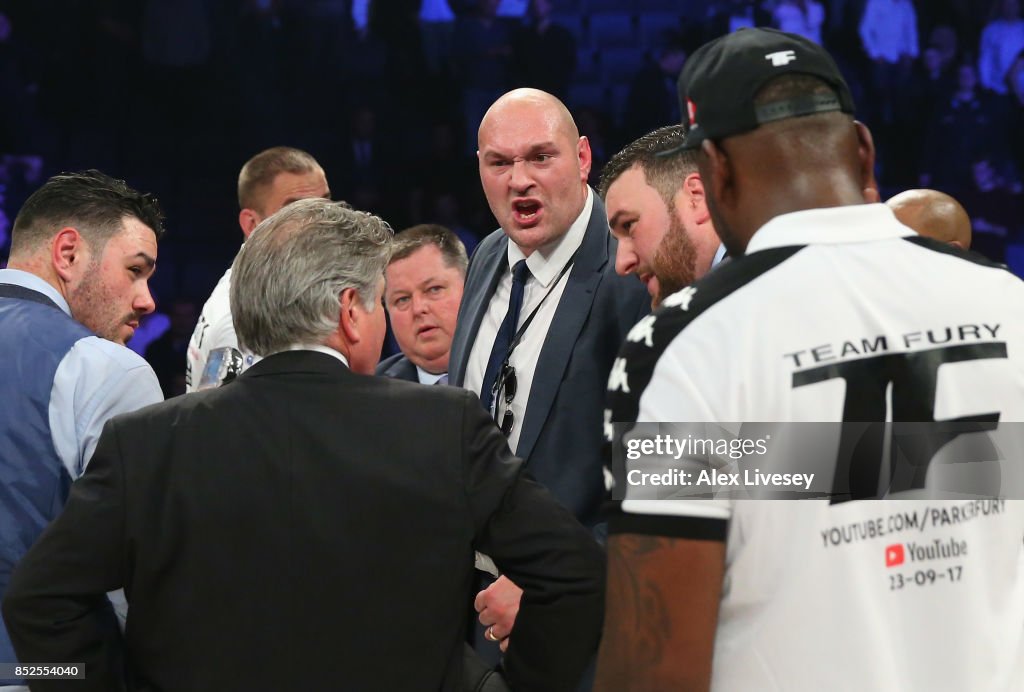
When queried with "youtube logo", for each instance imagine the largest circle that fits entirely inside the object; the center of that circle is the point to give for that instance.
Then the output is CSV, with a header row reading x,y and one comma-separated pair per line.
x,y
894,555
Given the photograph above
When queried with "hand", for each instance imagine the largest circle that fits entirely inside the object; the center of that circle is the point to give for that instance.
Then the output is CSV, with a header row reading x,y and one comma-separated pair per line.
x,y
498,606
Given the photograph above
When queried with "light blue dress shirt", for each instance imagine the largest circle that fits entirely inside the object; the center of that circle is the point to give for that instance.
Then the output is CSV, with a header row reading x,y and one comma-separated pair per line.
x,y
95,381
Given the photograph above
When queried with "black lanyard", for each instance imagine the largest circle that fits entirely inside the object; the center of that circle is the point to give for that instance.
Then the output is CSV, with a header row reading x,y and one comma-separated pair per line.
x,y
522,330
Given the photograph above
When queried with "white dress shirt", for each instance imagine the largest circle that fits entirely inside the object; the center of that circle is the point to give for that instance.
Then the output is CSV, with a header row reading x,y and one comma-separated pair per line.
x,y
544,264
425,377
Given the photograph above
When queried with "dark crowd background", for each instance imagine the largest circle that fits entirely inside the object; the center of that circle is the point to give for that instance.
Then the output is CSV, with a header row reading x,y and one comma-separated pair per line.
x,y
175,95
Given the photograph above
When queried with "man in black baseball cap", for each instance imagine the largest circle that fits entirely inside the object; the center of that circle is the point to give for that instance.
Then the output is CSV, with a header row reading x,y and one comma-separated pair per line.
x,y
708,589
757,84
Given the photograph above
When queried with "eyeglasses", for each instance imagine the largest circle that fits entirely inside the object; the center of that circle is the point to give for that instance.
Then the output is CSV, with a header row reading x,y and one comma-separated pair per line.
x,y
506,384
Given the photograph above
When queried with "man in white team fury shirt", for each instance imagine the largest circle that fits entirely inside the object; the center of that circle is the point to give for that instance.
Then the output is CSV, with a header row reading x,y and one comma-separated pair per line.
x,y
268,181
832,311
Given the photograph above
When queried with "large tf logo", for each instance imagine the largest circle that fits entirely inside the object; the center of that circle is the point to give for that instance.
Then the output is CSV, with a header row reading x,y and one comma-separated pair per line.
x,y
901,388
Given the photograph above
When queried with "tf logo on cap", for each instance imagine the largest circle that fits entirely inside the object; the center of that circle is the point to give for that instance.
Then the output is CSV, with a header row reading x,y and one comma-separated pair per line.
x,y
720,80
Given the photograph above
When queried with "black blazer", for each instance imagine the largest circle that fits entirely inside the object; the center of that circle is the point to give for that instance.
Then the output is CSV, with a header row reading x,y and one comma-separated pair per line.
x,y
276,533
562,436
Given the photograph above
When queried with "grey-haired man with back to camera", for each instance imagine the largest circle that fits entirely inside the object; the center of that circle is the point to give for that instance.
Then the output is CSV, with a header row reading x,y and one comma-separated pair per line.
x,y
271,537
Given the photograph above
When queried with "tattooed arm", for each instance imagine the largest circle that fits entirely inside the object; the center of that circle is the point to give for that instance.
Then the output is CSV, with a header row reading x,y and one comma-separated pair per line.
x,y
661,611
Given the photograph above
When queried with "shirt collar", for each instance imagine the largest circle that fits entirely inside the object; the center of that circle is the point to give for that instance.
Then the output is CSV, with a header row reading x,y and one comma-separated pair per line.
x,y
428,377
546,262
719,255
319,348
32,282
857,223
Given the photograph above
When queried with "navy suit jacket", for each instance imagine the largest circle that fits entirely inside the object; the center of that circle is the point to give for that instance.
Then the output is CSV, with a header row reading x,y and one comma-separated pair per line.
x,y
399,367
562,437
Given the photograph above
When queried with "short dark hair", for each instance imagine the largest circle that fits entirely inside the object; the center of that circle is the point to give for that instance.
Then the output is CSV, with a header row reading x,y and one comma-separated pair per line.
x,y
412,239
663,171
90,201
259,172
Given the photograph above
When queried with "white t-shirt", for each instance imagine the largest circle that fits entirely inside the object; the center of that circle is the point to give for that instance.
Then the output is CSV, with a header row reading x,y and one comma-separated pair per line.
x,y
832,315
214,356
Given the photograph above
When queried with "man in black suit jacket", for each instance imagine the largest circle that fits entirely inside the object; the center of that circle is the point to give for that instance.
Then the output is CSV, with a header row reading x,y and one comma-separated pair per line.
x,y
534,167
422,294
274,533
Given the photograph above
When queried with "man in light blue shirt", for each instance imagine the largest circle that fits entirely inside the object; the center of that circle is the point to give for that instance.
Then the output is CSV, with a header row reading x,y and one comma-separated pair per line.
x,y
83,249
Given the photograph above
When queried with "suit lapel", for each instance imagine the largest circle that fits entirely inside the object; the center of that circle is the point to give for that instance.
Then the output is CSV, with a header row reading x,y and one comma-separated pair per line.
x,y
570,316
488,266
402,369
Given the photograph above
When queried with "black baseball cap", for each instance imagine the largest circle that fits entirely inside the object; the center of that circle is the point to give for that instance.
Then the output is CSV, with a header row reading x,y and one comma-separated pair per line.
x,y
718,83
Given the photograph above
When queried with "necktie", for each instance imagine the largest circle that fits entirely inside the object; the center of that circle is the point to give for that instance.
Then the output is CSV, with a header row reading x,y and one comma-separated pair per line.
x,y
506,332
443,379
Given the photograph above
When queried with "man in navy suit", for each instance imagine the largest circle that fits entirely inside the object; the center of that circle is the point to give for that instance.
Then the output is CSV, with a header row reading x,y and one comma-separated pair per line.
x,y
544,312
424,289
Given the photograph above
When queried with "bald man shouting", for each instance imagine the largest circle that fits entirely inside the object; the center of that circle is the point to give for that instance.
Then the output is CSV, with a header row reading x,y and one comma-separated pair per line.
x,y
933,214
543,312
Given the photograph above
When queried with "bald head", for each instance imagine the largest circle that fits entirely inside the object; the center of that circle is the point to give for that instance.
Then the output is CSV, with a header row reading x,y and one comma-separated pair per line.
x,y
534,101
933,214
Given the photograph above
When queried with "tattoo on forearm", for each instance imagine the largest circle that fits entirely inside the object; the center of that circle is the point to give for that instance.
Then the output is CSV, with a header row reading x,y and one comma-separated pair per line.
x,y
640,605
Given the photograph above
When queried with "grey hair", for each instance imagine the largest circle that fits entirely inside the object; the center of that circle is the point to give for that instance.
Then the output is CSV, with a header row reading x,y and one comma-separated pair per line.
x,y
287,279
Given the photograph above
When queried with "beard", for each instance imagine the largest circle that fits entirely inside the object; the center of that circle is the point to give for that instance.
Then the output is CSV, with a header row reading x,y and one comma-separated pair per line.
x,y
675,261
94,305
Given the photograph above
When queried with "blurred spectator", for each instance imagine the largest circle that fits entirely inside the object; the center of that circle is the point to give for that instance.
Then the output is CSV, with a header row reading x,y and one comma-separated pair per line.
x,y
996,206
437,28
653,98
943,39
888,32
483,50
176,42
803,17
434,170
512,9
960,131
396,23
361,17
543,53
1001,40
932,80
732,15
363,156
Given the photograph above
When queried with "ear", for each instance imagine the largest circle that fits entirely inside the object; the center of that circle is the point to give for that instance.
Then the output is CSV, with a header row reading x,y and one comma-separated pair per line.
x,y
716,174
350,316
586,158
694,187
68,253
866,158
248,220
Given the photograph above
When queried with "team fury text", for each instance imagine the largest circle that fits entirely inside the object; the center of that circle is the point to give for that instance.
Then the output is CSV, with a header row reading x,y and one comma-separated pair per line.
x,y
882,343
